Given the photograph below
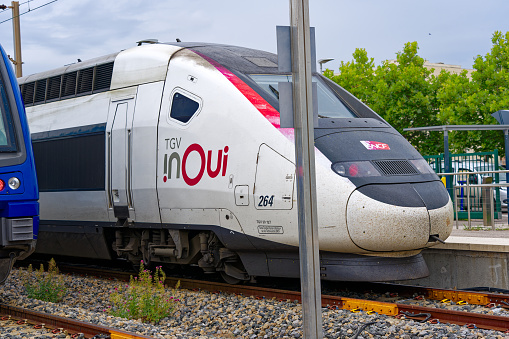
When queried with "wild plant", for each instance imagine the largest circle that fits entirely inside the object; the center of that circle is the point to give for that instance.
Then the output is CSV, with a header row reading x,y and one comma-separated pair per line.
x,y
45,286
144,298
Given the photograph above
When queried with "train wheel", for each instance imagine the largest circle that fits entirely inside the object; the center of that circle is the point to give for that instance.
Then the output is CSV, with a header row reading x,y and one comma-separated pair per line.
x,y
229,279
234,272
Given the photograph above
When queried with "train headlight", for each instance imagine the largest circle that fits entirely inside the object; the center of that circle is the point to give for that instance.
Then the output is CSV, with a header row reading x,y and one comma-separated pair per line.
x,y
14,183
2,185
355,169
422,166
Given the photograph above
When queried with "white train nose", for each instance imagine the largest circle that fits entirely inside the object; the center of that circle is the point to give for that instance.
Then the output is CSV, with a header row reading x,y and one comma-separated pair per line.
x,y
397,217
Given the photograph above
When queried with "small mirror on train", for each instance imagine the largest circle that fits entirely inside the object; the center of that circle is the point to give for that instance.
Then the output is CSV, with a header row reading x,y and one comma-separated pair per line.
x,y
184,105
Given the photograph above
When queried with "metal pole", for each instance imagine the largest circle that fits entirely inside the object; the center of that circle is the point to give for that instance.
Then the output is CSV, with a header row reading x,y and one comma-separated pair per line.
x,y
506,140
305,161
17,39
492,209
455,206
468,203
447,165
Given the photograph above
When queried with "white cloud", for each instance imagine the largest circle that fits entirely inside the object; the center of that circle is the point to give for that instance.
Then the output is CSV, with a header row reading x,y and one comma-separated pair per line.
x,y
63,31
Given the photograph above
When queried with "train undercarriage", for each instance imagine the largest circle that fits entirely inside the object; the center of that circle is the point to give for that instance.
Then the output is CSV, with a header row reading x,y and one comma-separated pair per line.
x,y
180,247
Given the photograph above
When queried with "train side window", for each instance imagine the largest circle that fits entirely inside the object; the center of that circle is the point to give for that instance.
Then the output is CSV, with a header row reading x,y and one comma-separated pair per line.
x,y
184,106
7,136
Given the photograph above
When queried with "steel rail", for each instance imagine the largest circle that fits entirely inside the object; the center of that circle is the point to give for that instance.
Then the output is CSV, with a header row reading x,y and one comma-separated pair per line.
x,y
479,320
70,325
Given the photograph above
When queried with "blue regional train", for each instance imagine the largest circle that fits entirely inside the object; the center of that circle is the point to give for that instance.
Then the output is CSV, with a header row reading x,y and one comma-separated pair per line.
x,y
19,195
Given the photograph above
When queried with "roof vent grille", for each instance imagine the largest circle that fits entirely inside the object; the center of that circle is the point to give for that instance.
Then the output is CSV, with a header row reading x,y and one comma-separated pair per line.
x,y
54,87
103,77
27,92
40,91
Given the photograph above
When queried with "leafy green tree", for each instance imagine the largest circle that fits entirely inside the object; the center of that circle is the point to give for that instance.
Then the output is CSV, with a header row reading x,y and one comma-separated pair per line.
x,y
356,76
400,92
471,102
407,94
456,106
491,79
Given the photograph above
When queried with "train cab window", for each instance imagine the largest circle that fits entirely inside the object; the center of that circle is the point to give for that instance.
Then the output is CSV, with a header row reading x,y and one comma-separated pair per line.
x,y
329,105
184,106
7,139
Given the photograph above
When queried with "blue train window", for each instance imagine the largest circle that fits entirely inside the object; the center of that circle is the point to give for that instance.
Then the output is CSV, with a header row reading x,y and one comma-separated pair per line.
x,y
7,138
183,107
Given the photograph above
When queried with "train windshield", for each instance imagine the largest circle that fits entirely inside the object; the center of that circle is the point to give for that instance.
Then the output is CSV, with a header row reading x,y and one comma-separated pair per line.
x,y
7,140
329,105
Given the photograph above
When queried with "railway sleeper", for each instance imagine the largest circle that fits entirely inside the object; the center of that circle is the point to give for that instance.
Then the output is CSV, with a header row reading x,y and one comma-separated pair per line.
x,y
180,247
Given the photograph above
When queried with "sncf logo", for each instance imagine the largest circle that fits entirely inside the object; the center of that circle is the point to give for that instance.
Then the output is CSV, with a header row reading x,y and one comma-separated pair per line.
x,y
375,145
173,164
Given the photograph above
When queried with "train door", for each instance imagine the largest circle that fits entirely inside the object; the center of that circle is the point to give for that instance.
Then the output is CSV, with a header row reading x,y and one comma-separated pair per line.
x,y
274,181
120,159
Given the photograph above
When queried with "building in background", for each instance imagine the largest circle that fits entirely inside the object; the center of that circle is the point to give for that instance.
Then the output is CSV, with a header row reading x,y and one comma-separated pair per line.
x,y
439,66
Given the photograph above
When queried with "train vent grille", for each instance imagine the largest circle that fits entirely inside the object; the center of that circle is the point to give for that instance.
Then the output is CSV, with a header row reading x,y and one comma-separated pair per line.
x,y
68,85
395,167
28,93
20,229
40,91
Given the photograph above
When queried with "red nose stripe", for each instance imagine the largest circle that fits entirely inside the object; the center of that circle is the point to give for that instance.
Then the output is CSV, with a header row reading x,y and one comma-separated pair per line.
x,y
269,112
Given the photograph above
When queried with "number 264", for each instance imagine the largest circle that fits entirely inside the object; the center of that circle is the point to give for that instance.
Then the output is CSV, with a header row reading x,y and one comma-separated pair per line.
x,y
265,200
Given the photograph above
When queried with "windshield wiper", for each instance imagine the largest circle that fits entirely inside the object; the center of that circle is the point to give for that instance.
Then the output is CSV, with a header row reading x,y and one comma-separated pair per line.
x,y
276,93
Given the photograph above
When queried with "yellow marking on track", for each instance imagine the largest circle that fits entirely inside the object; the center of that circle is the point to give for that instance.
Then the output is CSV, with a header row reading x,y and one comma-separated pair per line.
x,y
117,335
369,305
471,298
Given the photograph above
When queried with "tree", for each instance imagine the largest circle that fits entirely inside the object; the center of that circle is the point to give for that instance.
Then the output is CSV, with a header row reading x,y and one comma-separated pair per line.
x,y
491,80
406,94
400,92
471,102
356,76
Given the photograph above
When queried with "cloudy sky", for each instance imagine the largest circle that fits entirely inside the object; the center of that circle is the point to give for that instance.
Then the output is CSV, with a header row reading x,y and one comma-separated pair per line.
x,y
449,31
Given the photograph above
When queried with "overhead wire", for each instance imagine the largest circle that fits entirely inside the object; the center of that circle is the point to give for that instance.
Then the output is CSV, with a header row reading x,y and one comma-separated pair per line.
x,y
26,2
29,10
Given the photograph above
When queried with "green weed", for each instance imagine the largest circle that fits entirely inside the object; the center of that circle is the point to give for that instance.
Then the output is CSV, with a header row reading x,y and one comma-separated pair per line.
x,y
45,286
144,298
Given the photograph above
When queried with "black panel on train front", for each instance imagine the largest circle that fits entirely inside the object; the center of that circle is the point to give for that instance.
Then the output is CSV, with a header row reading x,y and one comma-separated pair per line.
x,y
70,163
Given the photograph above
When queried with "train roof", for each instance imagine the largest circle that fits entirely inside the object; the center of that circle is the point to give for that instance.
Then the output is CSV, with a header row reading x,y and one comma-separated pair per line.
x,y
241,59
135,66
69,68
245,60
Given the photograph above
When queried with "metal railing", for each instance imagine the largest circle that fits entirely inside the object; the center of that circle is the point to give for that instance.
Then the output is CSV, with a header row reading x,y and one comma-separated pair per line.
x,y
468,186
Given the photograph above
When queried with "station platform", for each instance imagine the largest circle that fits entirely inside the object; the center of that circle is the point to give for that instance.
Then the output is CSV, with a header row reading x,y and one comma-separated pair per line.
x,y
471,257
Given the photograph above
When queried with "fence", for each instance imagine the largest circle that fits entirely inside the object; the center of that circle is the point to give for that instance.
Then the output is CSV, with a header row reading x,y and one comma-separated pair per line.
x,y
487,196
476,167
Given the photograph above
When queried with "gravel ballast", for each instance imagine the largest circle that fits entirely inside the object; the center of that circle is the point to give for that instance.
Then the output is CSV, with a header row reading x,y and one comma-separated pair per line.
x,y
201,314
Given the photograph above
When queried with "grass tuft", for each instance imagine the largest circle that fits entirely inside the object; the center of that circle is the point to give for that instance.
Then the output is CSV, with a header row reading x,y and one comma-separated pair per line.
x,y
144,298
45,286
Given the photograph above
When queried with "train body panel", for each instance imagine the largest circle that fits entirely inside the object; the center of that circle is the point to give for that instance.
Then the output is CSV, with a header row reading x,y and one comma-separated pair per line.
x,y
19,208
180,160
145,149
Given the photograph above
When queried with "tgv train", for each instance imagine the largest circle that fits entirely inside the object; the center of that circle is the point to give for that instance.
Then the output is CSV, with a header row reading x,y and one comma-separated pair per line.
x,y
173,154
19,209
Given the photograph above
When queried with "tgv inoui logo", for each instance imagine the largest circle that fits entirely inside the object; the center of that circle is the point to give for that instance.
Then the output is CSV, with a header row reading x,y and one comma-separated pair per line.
x,y
174,164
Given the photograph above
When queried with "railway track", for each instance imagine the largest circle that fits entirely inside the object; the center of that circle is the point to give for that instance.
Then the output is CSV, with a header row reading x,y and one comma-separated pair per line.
x,y
31,322
419,313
